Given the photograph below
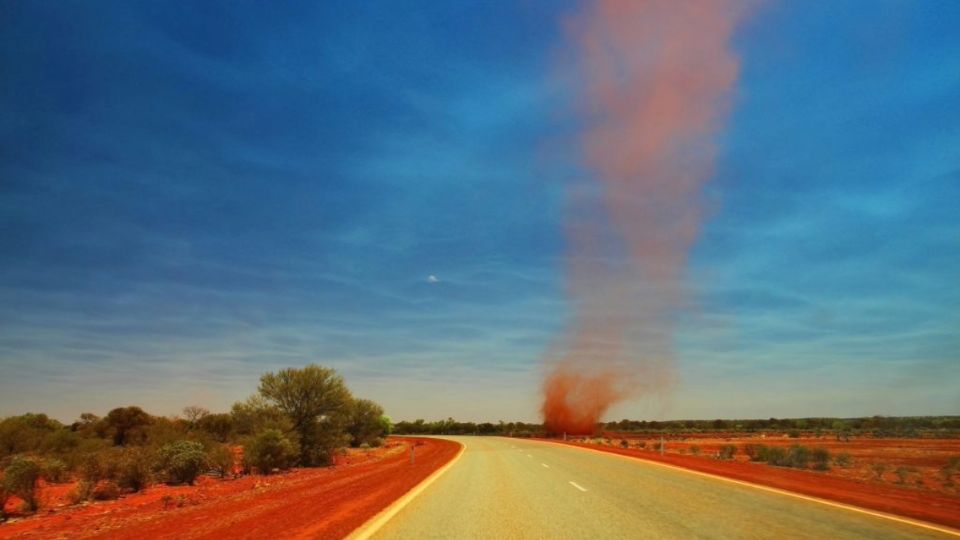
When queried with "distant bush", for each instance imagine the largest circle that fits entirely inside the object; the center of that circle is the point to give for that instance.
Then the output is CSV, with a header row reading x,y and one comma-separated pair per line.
x,y
726,451
641,444
798,457
794,434
83,491
96,466
843,460
268,451
181,462
124,424
20,479
949,470
774,455
821,459
133,469
756,452
53,471
903,474
220,458
624,443
695,450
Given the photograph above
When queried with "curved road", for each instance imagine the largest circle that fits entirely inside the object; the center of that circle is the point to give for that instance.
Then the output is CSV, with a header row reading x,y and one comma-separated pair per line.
x,y
510,488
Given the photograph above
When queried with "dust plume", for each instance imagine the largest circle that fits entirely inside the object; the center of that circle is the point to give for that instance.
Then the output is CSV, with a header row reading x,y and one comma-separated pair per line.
x,y
657,77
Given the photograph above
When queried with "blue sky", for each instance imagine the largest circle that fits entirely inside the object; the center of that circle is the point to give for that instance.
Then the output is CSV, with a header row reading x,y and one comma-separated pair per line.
x,y
191,195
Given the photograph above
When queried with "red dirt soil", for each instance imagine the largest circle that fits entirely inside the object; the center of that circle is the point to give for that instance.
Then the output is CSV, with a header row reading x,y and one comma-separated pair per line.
x,y
927,506
305,503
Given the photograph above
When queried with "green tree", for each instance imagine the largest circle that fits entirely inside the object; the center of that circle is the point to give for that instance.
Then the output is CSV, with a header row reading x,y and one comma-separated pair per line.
x,y
255,415
219,426
364,424
317,402
122,422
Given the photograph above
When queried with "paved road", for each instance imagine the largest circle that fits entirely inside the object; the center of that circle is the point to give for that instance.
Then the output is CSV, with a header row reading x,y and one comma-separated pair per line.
x,y
508,488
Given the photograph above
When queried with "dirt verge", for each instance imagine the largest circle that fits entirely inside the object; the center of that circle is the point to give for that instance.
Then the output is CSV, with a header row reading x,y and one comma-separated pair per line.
x,y
306,503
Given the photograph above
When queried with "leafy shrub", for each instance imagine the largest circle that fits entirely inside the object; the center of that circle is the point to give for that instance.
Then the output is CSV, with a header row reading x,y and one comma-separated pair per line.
x,y
756,452
181,462
641,444
624,443
727,451
695,450
821,459
83,491
903,474
364,422
97,466
798,457
133,469
220,458
268,451
20,479
774,455
53,471
794,434
843,460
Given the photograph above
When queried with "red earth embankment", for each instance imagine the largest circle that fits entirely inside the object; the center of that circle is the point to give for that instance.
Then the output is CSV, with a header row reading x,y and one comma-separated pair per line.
x,y
926,506
306,503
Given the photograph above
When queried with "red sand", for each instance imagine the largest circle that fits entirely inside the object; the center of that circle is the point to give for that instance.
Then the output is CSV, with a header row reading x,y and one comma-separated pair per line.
x,y
305,503
927,506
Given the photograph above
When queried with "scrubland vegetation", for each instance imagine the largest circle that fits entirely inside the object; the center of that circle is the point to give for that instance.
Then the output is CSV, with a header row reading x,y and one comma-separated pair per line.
x,y
299,417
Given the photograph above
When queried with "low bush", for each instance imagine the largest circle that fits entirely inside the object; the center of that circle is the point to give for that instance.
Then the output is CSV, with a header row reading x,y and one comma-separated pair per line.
x,y
756,452
726,451
843,459
624,443
53,471
641,444
695,450
20,479
821,459
83,491
133,469
181,462
268,451
221,460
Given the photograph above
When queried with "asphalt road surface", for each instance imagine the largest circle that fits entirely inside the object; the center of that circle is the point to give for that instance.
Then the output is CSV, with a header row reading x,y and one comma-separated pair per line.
x,y
508,488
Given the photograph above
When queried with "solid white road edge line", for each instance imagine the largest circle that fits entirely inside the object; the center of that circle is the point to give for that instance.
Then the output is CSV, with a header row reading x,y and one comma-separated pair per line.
x,y
874,513
374,524
576,485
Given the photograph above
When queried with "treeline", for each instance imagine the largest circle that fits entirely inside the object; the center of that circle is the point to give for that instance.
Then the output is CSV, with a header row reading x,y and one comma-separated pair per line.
x,y
297,417
876,426
452,427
